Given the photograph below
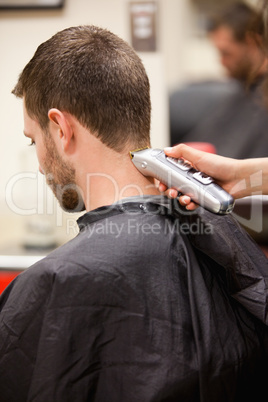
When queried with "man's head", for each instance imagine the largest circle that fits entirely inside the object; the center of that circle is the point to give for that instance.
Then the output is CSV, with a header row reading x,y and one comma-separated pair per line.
x,y
95,76
88,77
236,33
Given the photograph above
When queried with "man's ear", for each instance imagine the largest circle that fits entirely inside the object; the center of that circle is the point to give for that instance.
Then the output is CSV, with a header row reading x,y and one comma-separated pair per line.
x,y
63,127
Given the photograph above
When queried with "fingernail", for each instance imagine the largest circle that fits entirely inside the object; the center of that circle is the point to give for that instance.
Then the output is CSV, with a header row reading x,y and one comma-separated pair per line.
x,y
173,193
168,149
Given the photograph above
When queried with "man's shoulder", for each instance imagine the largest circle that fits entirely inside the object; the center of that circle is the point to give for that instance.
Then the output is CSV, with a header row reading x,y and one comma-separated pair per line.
x,y
44,270
110,241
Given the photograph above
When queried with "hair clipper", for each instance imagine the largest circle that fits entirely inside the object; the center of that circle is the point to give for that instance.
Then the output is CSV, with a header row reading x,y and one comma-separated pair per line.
x,y
181,175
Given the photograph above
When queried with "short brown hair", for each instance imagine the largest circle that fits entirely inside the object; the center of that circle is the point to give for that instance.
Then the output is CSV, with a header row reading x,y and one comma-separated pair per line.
x,y
95,76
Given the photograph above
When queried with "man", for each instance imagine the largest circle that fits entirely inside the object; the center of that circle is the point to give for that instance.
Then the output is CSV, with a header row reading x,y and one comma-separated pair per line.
x,y
231,32
236,124
129,310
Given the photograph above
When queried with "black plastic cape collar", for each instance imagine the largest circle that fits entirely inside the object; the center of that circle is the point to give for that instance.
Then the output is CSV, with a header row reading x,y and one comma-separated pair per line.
x,y
160,205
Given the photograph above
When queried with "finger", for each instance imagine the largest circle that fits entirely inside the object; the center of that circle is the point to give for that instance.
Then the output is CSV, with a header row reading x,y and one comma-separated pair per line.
x,y
184,200
184,151
192,206
162,187
172,193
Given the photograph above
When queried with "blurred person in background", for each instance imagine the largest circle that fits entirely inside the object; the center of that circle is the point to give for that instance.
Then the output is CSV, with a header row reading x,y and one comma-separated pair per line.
x,y
237,125
231,32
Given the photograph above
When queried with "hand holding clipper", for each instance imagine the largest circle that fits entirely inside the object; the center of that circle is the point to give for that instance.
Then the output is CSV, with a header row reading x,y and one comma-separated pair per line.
x,y
181,175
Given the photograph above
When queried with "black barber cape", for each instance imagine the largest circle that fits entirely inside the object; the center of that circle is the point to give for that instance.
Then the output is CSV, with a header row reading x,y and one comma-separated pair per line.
x,y
145,304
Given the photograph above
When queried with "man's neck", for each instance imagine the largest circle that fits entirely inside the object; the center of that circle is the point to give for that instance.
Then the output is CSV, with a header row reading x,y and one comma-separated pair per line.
x,y
107,189
112,177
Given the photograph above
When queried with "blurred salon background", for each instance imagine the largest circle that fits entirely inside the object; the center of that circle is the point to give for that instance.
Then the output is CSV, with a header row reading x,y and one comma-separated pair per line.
x,y
197,96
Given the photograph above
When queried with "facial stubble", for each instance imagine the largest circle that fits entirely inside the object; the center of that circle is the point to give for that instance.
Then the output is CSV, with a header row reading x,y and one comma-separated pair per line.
x,y
60,177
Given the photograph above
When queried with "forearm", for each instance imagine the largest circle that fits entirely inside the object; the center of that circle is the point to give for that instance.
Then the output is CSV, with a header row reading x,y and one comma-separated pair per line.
x,y
251,177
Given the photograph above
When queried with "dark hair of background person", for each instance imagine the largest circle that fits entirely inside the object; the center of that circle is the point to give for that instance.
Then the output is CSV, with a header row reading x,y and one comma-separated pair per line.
x,y
241,18
97,77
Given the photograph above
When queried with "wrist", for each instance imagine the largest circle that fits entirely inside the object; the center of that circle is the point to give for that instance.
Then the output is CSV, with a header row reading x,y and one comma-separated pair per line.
x,y
253,173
